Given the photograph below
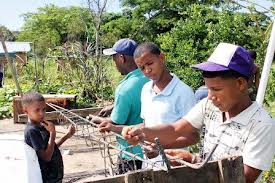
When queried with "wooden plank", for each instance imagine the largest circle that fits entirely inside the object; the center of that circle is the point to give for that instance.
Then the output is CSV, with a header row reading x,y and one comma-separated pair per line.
x,y
86,111
188,175
17,108
116,179
144,176
65,101
231,170
227,170
50,116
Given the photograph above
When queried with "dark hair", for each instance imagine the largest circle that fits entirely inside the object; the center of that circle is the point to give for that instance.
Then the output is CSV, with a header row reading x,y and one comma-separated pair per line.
x,y
30,97
253,54
223,74
146,47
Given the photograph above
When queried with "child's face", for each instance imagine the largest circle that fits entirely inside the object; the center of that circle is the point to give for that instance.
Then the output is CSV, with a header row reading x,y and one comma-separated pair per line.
x,y
151,65
36,111
225,93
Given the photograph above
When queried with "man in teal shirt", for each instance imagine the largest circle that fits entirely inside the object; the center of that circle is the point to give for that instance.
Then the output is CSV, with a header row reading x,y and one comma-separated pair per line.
x,y
127,105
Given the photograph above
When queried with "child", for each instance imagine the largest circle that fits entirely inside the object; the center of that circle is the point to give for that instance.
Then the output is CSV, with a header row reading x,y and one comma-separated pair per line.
x,y
40,135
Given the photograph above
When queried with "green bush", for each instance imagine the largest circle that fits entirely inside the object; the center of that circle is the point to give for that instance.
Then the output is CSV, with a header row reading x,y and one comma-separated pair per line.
x,y
6,96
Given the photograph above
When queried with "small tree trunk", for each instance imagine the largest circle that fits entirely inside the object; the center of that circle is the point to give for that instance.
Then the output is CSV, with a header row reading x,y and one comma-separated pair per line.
x,y
14,75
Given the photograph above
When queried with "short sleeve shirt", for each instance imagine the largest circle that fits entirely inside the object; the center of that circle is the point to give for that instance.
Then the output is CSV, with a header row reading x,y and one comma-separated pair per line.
x,y
127,106
249,134
37,137
168,106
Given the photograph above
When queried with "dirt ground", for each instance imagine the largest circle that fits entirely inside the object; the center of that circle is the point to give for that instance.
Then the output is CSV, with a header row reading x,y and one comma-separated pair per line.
x,y
82,163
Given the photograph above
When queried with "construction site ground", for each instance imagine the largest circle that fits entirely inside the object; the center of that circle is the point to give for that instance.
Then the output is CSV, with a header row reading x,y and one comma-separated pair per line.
x,y
82,163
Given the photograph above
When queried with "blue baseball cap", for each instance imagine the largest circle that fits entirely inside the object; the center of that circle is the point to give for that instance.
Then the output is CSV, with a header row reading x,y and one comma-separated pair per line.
x,y
228,57
124,46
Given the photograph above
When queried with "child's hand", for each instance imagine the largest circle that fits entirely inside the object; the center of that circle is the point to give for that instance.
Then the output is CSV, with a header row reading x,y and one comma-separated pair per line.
x,y
49,126
71,131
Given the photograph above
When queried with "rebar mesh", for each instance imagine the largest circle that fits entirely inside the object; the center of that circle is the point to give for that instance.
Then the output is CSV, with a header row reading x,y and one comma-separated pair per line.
x,y
107,145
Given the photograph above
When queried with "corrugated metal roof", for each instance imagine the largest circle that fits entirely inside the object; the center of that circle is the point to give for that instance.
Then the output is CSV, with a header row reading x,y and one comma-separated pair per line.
x,y
16,47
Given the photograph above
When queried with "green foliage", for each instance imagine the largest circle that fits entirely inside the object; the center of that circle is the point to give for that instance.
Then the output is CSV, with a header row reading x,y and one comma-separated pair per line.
x,y
270,91
8,35
52,26
6,102
269,176
193,39
154,17
115,26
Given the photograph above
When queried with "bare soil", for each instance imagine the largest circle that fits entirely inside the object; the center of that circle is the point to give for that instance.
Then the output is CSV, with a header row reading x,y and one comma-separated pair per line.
x,y
82,163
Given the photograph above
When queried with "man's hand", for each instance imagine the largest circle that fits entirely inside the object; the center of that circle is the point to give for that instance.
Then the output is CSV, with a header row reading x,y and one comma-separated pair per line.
x,y
179,154
49,126
70,131
150,150
106,126
95,119
106,111
133,134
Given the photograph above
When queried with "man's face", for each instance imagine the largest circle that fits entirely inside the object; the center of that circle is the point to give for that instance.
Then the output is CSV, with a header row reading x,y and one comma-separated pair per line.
x,y
119,60
224,93
151,65
36,111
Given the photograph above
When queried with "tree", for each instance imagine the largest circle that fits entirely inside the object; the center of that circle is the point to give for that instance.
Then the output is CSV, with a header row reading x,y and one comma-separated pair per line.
x,y
7,33
192,40
154,17
97,8
52,26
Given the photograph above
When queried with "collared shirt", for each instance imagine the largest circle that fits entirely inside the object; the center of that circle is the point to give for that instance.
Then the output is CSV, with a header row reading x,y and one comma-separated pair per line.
x,y
168,106
249,134
127,106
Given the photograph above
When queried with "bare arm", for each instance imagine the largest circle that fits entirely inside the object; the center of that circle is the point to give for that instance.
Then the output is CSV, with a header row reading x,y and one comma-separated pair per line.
x,y
166,133
251,174
180,132
184,141
68,135
109,125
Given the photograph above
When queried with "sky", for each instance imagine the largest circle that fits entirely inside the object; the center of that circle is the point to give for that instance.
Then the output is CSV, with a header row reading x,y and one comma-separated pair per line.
x,y
11,10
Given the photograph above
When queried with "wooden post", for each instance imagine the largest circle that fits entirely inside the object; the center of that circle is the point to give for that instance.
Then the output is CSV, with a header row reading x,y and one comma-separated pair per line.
x,y
13,69
229,170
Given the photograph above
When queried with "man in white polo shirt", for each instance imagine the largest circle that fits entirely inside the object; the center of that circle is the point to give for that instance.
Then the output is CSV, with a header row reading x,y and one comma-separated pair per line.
x,y
231,119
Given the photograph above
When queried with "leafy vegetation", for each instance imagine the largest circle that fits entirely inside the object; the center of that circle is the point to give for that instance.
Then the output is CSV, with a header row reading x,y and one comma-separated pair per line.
x,y
187,31
64,60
